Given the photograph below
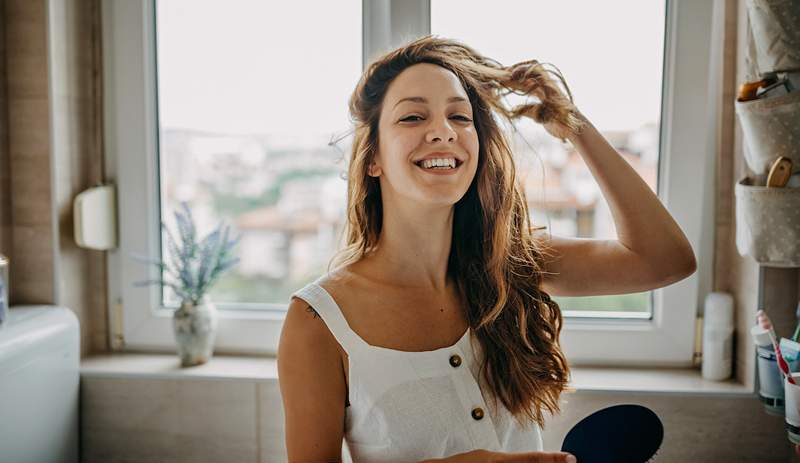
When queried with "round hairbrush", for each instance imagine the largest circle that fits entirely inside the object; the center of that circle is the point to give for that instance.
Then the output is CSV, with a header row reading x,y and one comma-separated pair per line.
x,y
619,434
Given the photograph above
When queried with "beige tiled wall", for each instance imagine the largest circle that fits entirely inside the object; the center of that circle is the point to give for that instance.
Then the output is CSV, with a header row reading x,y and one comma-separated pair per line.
x,y
53,151
28,103
144,420
130,420
5,176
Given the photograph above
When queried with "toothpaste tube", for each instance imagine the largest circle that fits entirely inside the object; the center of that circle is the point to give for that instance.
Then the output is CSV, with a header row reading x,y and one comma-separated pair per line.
x,y
790,350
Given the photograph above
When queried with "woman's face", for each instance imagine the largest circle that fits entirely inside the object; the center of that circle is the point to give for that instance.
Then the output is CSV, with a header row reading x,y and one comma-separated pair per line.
x,y
426,118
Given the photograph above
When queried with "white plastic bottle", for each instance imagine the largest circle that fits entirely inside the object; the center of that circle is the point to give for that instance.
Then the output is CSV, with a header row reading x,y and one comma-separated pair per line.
x,y
5,294
718,336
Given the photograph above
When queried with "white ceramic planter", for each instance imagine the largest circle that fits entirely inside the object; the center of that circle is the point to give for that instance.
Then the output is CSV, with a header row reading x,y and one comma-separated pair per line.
x,y
195,328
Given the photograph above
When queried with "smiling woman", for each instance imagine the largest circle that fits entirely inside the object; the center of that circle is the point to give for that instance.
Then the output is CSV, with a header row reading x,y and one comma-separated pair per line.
x,y
441,269
440,248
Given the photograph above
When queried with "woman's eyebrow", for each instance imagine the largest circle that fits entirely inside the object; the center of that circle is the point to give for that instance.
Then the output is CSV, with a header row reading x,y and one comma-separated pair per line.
x,y
419,99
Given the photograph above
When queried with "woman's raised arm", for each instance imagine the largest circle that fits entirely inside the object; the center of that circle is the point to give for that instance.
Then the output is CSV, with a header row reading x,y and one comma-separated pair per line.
x,y
651,250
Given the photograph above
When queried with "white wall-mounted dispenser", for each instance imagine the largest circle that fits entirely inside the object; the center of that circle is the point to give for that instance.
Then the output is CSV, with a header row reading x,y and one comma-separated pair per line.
x,y
95,216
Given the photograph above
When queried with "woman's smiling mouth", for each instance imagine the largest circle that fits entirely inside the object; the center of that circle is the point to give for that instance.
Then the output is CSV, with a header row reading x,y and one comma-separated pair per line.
x,y
440,166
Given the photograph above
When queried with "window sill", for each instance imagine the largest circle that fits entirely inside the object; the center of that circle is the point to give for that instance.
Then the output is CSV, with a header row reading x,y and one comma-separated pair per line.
x,y
661,381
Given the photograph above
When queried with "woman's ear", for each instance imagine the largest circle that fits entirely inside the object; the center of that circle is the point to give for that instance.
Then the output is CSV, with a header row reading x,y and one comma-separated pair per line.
x,y
374,169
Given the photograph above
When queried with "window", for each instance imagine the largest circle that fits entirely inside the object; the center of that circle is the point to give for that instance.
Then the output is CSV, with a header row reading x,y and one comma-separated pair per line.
x,y
242,139
211,105
627,113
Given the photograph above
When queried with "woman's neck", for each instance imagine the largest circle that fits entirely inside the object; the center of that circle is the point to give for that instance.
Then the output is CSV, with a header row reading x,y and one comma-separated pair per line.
x,y
414,246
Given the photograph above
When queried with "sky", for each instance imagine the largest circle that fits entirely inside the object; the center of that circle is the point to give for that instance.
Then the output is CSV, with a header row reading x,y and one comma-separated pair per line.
x,y
288,68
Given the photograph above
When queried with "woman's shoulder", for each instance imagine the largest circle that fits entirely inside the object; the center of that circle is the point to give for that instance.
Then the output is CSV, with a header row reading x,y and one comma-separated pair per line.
x,y
343,281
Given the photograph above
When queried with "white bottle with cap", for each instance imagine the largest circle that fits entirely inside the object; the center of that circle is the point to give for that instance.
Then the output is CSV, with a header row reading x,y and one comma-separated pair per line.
x,y
4,291
718,336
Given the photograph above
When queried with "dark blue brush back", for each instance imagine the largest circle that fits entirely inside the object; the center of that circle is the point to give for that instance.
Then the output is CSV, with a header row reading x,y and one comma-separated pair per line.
x,y
625,433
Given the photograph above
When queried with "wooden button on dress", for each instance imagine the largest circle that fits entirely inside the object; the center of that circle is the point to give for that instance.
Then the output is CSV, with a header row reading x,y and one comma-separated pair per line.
x,y
455,360
477,413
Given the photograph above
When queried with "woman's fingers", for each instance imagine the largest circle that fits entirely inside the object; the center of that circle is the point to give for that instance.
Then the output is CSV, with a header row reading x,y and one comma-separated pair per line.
x,y
486,456
540,457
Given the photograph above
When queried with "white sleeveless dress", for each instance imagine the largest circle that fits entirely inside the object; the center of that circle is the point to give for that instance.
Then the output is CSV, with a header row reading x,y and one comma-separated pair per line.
x,y
410,406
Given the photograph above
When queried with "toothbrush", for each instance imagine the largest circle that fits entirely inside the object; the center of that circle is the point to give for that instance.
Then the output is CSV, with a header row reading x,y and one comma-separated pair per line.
x,y
796,334
766,324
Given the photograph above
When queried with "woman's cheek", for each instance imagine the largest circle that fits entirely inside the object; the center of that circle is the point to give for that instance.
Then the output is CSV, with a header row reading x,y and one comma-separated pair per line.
x,y
473,145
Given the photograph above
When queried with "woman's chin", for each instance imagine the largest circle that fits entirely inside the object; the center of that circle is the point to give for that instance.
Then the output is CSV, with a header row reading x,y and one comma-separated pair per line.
x,y
440,199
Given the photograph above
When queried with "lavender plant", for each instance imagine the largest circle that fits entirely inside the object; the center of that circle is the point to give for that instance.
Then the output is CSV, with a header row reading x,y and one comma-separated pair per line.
x,y
193,267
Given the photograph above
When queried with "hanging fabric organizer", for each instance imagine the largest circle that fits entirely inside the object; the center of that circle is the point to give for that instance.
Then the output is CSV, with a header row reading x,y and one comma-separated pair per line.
x,y
771,128
768,223
768,198
773,24
768,217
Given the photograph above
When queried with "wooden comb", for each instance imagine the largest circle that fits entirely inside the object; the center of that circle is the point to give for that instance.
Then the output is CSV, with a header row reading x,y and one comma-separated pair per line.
x,y
779,172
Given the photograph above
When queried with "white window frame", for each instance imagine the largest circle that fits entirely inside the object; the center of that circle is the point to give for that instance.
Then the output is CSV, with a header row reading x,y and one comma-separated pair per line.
x,y
131,136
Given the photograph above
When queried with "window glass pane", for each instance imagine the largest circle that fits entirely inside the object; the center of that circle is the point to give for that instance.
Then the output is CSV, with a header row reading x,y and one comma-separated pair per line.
x,y
249,95
611,55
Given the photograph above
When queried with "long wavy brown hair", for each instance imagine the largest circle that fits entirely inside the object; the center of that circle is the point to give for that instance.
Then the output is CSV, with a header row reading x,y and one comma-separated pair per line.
x,y
495,260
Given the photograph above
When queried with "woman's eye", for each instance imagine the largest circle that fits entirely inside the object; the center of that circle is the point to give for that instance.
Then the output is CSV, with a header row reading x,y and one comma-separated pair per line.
x,y
414,118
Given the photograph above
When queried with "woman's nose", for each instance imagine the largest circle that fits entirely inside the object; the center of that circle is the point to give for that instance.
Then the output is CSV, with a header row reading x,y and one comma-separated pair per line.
x,y
440,130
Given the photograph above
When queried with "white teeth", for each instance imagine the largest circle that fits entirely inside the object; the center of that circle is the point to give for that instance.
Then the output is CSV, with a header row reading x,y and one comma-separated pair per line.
x,y
439,162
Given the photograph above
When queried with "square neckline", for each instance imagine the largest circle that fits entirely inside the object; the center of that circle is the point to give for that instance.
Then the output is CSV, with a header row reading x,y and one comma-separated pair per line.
x,y
457,344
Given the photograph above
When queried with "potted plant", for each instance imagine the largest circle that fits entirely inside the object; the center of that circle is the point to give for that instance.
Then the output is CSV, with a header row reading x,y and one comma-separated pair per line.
x,y
191,270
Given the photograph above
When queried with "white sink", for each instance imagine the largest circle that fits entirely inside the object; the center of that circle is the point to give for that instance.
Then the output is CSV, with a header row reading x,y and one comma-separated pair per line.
x,y
39,385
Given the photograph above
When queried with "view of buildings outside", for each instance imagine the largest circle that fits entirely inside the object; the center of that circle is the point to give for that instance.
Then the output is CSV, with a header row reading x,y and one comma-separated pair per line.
x,y
611,55
246,120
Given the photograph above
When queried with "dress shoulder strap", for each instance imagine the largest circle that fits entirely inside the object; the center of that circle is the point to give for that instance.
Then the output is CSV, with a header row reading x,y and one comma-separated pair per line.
x,y
321,301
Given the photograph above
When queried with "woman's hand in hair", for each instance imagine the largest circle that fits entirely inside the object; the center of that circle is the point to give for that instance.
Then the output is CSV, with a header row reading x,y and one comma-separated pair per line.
x,y
486,456
561,131
555,109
